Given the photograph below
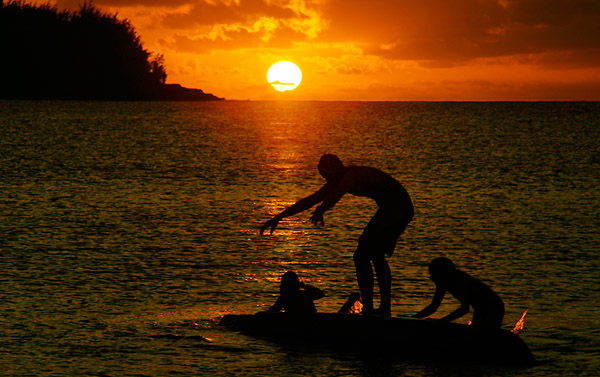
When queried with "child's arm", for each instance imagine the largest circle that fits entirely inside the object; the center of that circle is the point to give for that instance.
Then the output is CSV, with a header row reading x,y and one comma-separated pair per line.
x,y
464,309
277,306
313,292
435,303
464,287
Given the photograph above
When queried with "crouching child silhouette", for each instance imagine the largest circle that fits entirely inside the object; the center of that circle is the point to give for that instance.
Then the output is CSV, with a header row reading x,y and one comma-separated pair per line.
x,y
488,308
295,296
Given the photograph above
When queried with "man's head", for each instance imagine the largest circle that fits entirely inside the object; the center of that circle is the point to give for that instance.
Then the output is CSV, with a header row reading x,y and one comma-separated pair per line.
x,y
441,269
330,166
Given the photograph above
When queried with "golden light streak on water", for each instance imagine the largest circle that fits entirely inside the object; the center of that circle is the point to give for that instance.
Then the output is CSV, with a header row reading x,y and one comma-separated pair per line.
x,y
356,307
520,323
353,305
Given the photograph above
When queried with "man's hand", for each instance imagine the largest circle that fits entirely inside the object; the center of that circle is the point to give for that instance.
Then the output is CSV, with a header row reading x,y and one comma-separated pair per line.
x,y
317,217
270,224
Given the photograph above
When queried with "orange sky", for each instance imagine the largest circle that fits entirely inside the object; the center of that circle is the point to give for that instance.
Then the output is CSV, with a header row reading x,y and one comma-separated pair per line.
x,y
375,49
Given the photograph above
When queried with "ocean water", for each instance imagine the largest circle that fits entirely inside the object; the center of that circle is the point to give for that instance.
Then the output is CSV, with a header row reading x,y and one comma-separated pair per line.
x,y
127,230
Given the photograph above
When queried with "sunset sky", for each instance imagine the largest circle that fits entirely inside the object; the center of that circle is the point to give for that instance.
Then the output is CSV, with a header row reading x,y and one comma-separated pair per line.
x,y
377,49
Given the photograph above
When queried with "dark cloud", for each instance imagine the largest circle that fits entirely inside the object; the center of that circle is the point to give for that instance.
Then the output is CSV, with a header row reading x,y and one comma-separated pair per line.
x,y
444,33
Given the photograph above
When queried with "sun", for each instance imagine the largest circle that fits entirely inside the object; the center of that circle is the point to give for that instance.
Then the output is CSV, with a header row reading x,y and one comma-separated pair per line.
x,y
284,76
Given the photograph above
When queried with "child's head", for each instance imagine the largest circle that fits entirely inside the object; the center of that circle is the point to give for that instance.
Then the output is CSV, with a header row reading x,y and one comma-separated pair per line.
x,y
289,283
441,269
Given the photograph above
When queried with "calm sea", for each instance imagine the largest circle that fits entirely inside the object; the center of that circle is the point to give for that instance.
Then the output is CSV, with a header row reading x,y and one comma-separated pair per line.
x,y
127,230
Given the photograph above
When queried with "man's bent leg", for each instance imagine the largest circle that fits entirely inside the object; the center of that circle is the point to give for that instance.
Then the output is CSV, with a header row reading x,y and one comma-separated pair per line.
x,y
384,280
364,275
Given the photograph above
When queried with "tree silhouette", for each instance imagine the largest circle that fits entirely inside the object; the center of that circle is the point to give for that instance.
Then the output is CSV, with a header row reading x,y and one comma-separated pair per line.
x,y
86,54
157,68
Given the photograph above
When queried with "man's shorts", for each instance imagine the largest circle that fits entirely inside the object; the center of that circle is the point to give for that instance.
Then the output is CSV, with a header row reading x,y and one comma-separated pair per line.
x,y
382,232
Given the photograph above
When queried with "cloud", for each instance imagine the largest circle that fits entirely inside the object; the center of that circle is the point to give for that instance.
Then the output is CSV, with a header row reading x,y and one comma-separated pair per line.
x,y
204,26
445,33
436,33
277,82
219,12
264,33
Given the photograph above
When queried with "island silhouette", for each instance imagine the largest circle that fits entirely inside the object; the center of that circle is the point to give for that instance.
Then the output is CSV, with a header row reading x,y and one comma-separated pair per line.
x,y
51,54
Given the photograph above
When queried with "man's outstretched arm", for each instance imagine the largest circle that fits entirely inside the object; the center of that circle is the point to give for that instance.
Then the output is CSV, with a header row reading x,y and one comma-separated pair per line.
x,y
300,206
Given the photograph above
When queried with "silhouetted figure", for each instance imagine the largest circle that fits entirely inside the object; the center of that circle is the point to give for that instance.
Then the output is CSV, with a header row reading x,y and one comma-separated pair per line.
x,y
381,233
488,308
296,297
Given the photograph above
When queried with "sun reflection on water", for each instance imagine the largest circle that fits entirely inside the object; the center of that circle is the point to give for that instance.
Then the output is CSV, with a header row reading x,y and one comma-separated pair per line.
x,y
520,323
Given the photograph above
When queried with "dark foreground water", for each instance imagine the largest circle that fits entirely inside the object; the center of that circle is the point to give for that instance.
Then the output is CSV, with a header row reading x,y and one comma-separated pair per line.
x,y
128,229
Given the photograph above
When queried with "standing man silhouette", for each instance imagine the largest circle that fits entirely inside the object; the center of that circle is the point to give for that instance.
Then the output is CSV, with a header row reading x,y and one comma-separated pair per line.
x,y
379,237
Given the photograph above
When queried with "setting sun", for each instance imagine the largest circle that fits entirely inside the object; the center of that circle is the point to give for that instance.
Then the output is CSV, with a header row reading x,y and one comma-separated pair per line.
x,y
284,76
